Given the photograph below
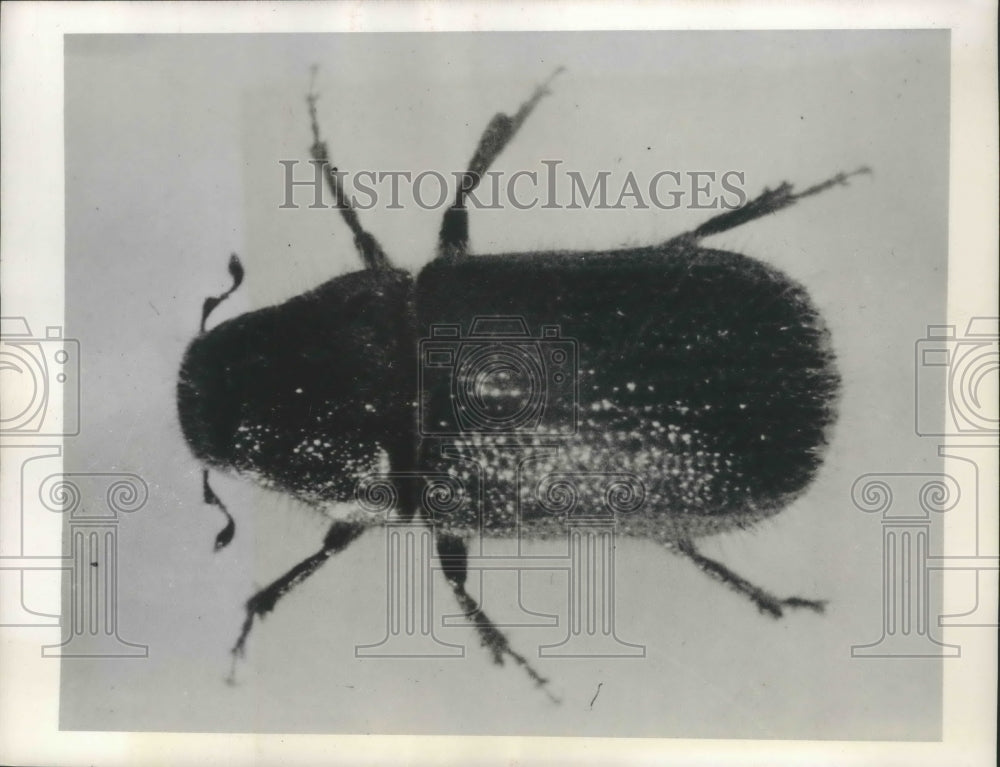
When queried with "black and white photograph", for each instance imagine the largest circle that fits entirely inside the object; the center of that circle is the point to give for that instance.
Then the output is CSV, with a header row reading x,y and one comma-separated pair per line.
x,y
474,381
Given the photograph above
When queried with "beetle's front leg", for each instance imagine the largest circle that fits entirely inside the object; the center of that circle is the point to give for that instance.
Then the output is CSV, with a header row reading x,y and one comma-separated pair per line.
x,y
368,247
340,536
765,601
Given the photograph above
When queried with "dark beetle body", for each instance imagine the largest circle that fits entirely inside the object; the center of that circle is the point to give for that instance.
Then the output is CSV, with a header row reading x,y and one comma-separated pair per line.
x,y
706,374
684,389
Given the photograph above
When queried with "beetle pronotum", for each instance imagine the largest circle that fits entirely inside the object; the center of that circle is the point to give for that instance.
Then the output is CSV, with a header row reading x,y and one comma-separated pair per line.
x,y
706,373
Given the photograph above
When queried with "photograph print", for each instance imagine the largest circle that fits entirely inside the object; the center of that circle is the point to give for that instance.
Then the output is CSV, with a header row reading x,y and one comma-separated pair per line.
x,y
505,383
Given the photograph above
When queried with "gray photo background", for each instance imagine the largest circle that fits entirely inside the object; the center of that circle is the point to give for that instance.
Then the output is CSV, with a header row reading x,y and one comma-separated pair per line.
x,y
172,150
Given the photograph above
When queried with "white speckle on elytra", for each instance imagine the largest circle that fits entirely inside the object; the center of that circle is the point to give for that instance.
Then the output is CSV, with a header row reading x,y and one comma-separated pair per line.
x,y
743,406
369,407
298,391
630,386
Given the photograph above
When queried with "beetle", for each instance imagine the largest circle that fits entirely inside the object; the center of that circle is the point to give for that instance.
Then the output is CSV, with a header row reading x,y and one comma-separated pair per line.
x,y
707,374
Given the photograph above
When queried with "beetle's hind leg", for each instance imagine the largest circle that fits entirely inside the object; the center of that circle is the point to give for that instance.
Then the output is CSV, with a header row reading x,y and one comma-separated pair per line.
x,y
766,602
767,202
341,534
454,562
454,236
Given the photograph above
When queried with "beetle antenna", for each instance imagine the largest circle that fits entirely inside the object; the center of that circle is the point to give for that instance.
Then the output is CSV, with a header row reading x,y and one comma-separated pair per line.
x,y
369,249
236,271
769,201
454,236
225,535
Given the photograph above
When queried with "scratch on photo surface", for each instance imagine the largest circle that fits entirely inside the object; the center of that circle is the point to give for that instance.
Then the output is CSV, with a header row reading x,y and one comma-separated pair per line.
x,y
599,686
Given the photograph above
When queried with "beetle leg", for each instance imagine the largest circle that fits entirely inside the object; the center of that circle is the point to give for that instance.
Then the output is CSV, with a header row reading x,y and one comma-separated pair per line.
x,y
765,601
454,562
454,236
369,249
769,201
341,534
